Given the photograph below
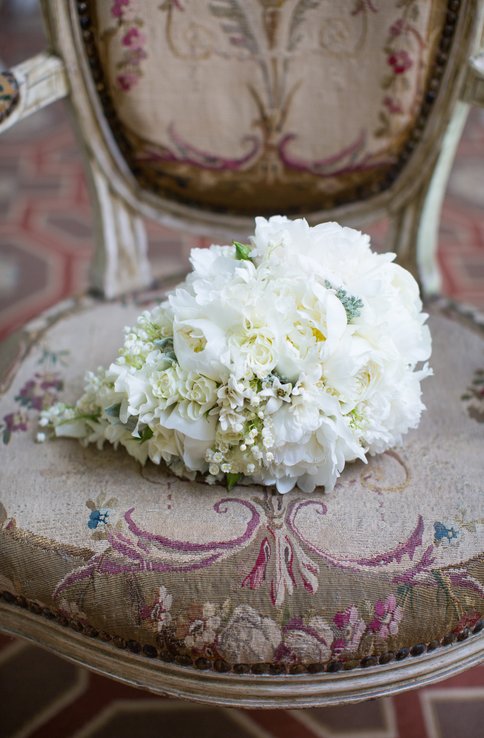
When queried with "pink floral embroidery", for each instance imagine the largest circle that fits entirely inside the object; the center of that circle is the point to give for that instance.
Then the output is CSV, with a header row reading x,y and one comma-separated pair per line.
x,y
133,42
397,28
126,81
400,61
350,629
36,394
387,616
117,8
404,49
13,423
134,39
468,620
392,105
41,391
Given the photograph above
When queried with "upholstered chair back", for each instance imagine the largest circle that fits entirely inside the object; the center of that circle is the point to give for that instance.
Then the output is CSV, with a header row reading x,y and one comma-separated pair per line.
x,y
249,106
207,112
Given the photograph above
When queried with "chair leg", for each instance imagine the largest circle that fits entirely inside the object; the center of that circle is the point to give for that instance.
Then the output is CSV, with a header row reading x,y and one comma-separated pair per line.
x,y
121,260
415,226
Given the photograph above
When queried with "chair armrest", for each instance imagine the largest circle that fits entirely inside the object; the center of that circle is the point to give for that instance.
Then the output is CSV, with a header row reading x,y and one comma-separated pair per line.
x,y
474,84
30,86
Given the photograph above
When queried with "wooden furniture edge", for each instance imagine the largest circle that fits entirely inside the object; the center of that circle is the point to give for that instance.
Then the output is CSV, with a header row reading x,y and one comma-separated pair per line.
x,y
245,690
41,80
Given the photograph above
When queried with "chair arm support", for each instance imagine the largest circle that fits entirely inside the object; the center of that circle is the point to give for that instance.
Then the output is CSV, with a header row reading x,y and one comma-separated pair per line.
x,y
30,86
473,92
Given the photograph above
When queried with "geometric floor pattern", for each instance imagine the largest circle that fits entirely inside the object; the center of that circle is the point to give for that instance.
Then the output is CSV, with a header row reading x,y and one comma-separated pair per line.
x,y
43,696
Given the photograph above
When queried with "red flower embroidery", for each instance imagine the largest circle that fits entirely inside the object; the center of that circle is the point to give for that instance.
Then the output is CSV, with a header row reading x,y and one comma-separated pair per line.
x,y
117,8
126,81
400,61
392,105
397,28
468,620
133,39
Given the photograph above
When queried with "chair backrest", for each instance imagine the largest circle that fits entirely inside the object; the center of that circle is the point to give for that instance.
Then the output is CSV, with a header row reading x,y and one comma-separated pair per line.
x,y
204,113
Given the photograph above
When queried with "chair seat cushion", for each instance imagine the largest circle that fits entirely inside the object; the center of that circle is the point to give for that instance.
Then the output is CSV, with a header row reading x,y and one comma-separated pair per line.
x,y
389,563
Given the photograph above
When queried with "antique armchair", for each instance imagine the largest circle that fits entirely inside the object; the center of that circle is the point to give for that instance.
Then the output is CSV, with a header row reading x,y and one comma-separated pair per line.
x,y
202,115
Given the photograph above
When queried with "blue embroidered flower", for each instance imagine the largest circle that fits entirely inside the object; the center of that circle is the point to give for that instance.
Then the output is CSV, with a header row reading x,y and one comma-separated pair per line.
x,y
98,517
445,534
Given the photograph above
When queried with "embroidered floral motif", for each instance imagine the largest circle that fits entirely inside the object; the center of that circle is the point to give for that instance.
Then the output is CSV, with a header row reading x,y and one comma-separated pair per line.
x,y
446,534
450,533
306,642
101,518
159,612
274,531
40,392
387,617
199,626
249,637
468,620
404,50
98,517
474,397
118,6
400,61
15,422
349,630
36,394
133,43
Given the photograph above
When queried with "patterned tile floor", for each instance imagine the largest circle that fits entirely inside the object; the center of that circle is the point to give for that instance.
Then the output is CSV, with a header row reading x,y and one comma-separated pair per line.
x,y
45,697
45,246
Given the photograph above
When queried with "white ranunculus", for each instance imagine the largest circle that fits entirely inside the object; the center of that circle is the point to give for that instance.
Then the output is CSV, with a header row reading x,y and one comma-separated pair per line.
x,y
277,362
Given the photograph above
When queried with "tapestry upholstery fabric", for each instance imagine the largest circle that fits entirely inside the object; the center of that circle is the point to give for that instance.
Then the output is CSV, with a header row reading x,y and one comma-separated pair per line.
x,y
389,560
244,105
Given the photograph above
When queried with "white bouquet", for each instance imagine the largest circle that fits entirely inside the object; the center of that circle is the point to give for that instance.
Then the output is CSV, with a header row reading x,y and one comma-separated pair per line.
x,y
274,363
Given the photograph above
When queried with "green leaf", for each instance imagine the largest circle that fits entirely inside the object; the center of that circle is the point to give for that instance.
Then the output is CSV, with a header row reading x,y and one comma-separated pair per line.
x,y
242,252
164,343
146,434
232,480
352,305
113,410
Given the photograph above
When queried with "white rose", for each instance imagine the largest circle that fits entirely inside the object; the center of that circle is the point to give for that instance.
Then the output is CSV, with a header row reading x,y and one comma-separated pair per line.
x,y
166,385
257,348
248,637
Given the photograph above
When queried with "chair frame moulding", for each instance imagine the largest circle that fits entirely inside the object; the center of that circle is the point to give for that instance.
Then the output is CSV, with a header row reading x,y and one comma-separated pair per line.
x,y
404,201
263,691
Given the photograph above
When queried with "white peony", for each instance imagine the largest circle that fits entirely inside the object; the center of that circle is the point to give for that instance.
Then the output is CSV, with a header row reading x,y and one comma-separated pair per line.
x,y
275,362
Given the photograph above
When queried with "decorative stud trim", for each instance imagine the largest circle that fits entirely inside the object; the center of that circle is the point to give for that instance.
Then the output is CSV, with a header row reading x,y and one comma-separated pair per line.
x,y
219,665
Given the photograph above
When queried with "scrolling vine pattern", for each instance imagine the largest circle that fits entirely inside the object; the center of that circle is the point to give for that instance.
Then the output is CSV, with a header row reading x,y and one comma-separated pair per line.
x,y
285,555
273,48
